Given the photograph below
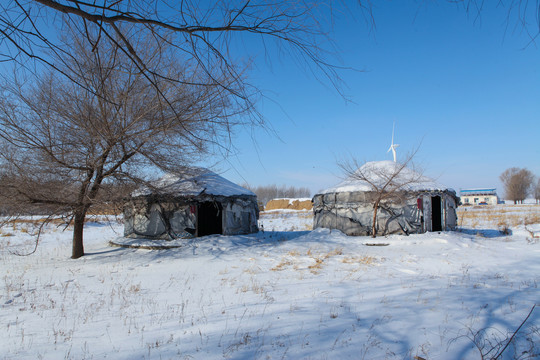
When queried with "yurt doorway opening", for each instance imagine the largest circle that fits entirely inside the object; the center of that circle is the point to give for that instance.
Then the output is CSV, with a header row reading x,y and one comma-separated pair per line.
x,y
436,213
209,219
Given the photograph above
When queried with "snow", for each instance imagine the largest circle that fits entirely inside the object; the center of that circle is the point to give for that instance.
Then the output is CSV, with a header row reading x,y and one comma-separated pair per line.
x,y
291,211
375,169
278,294
202,180
525,202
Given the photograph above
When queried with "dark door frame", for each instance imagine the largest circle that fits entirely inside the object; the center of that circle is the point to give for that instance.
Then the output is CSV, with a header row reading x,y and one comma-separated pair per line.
x,y
209,218
436,213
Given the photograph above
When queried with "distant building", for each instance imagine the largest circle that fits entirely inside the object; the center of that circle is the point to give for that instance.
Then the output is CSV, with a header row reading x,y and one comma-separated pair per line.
x,y
479,197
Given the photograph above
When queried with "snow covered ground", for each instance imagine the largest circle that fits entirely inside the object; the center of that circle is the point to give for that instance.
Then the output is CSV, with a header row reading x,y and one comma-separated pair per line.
x,y
278,294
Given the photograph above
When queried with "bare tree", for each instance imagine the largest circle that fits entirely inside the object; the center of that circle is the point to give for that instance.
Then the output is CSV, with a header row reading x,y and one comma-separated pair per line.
x,y
389,184
64,145
517,183
51,124
537,191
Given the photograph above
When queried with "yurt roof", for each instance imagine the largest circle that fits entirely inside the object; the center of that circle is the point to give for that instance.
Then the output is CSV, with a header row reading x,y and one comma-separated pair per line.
x,y
375,171
193,183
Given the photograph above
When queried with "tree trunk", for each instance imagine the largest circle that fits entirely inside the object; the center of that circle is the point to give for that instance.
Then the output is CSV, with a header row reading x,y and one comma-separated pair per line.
x,y
374,226
78,225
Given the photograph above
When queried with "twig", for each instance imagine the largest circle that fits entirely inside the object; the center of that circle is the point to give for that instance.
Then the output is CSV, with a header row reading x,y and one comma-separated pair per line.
x,y
38,237
514,334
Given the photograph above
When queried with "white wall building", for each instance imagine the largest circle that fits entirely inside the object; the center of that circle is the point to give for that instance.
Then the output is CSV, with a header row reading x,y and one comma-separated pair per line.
x,y
479,197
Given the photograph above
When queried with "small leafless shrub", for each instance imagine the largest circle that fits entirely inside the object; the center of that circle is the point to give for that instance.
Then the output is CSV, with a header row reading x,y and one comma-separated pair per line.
x,y
505,229
532,218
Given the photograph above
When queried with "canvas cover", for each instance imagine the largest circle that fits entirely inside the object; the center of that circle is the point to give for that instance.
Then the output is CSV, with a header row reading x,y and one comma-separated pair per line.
x,y
186,206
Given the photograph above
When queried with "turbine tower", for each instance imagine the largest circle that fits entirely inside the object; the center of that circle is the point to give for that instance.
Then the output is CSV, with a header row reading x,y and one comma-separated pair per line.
x,y
392,145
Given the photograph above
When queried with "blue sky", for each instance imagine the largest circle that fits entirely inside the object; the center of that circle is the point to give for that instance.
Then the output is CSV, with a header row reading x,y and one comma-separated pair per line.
x,y
464,89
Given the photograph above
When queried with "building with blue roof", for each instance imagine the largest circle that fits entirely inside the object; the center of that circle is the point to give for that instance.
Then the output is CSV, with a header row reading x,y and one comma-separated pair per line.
x,y
483,196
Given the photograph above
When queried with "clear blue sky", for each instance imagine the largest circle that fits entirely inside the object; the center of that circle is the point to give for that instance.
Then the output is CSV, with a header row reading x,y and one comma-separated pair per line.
x,y
465,89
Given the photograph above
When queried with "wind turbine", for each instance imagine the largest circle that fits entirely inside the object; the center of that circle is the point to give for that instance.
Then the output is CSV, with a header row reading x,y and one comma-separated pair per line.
x,y
392,145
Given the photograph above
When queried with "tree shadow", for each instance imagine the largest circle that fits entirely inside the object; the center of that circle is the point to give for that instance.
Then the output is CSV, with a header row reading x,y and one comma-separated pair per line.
x,y
215,246
487,233
110,250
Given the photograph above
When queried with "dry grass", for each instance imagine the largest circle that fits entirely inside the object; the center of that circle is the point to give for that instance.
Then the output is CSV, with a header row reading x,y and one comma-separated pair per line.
x,y
282,265
277,204
321,258
499,216
317,266
6,234
108,211
293,258
364,260
27,225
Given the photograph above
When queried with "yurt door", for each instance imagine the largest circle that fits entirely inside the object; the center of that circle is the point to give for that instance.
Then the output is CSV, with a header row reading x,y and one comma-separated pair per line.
x,y
436,213
209,219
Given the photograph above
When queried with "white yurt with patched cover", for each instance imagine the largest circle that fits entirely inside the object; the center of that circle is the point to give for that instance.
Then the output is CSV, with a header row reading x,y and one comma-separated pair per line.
x,y
197,203
411,203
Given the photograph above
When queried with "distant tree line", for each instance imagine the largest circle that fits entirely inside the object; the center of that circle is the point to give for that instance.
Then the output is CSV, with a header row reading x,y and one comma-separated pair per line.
x,y
519,183
266,193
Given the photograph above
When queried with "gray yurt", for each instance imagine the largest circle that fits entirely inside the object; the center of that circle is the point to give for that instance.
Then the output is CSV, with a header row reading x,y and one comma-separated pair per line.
x,y
196,204
418,204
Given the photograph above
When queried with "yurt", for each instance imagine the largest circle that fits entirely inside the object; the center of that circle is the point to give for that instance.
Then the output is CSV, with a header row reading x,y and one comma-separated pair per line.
x,y
196,204
411,203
